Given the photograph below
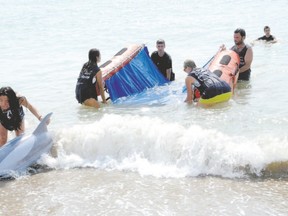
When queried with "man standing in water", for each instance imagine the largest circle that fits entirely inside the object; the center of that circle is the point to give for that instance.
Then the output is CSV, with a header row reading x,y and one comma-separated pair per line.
x,y
245,53
163,60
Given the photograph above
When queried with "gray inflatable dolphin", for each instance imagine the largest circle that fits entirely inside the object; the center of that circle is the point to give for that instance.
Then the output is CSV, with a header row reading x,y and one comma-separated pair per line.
x,y
22,151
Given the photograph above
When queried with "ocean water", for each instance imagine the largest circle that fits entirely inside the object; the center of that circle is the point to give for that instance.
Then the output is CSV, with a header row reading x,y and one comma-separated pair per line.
x,y
151,154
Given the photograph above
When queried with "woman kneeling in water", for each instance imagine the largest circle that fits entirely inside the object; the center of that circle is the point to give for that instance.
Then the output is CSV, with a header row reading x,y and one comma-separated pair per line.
x,y
89,79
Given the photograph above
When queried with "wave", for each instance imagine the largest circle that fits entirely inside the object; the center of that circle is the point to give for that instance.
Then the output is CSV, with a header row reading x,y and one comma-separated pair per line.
x,y
151,146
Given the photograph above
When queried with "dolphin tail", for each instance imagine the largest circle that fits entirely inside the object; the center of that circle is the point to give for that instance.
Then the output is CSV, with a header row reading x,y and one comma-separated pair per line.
x,y
42,127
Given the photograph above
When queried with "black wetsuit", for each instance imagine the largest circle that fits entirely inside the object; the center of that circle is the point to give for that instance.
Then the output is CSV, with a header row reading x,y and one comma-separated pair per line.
x,y
270,38
9,121
246,74
208,83
86,85
163,63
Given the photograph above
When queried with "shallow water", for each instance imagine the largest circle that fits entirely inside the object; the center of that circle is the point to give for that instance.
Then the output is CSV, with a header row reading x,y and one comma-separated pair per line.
x,y
98,192
147,156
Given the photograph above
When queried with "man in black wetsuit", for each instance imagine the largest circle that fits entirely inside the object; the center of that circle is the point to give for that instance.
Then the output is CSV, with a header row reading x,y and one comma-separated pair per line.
x,y
163,60
245,53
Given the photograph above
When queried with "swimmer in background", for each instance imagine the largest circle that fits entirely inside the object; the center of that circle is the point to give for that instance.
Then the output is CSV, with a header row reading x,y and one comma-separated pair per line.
x,y
267,37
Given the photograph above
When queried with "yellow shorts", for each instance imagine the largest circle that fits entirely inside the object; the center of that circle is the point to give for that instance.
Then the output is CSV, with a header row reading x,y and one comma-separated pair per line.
x,y
217,99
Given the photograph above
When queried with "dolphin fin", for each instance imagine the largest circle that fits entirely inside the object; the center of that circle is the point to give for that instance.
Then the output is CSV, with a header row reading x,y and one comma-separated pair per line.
x,y
42,127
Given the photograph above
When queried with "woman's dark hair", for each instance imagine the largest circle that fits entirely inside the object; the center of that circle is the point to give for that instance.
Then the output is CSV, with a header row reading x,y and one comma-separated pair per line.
x,y
93,53
240,31
13,104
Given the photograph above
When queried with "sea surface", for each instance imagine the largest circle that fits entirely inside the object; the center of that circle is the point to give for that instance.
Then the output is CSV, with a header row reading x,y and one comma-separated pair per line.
x,y
152,154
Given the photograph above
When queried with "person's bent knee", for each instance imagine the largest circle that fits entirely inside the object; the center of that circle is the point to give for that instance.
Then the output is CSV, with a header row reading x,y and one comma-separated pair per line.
x,y
92,103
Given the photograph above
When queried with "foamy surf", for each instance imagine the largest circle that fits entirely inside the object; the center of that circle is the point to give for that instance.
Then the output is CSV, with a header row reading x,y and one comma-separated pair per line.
x,y
151,146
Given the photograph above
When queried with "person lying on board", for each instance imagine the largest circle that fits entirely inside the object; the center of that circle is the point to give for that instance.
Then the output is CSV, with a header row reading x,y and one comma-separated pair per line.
x,y
204,86
89,81
12,114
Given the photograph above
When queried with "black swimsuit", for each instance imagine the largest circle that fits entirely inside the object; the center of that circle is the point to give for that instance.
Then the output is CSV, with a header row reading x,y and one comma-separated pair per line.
x,y
163,63
7,119
270,38
208,83
246,74
86,87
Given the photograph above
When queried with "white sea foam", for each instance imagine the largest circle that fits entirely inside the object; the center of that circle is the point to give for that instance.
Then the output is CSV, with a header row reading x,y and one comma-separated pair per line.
x,y
151,146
